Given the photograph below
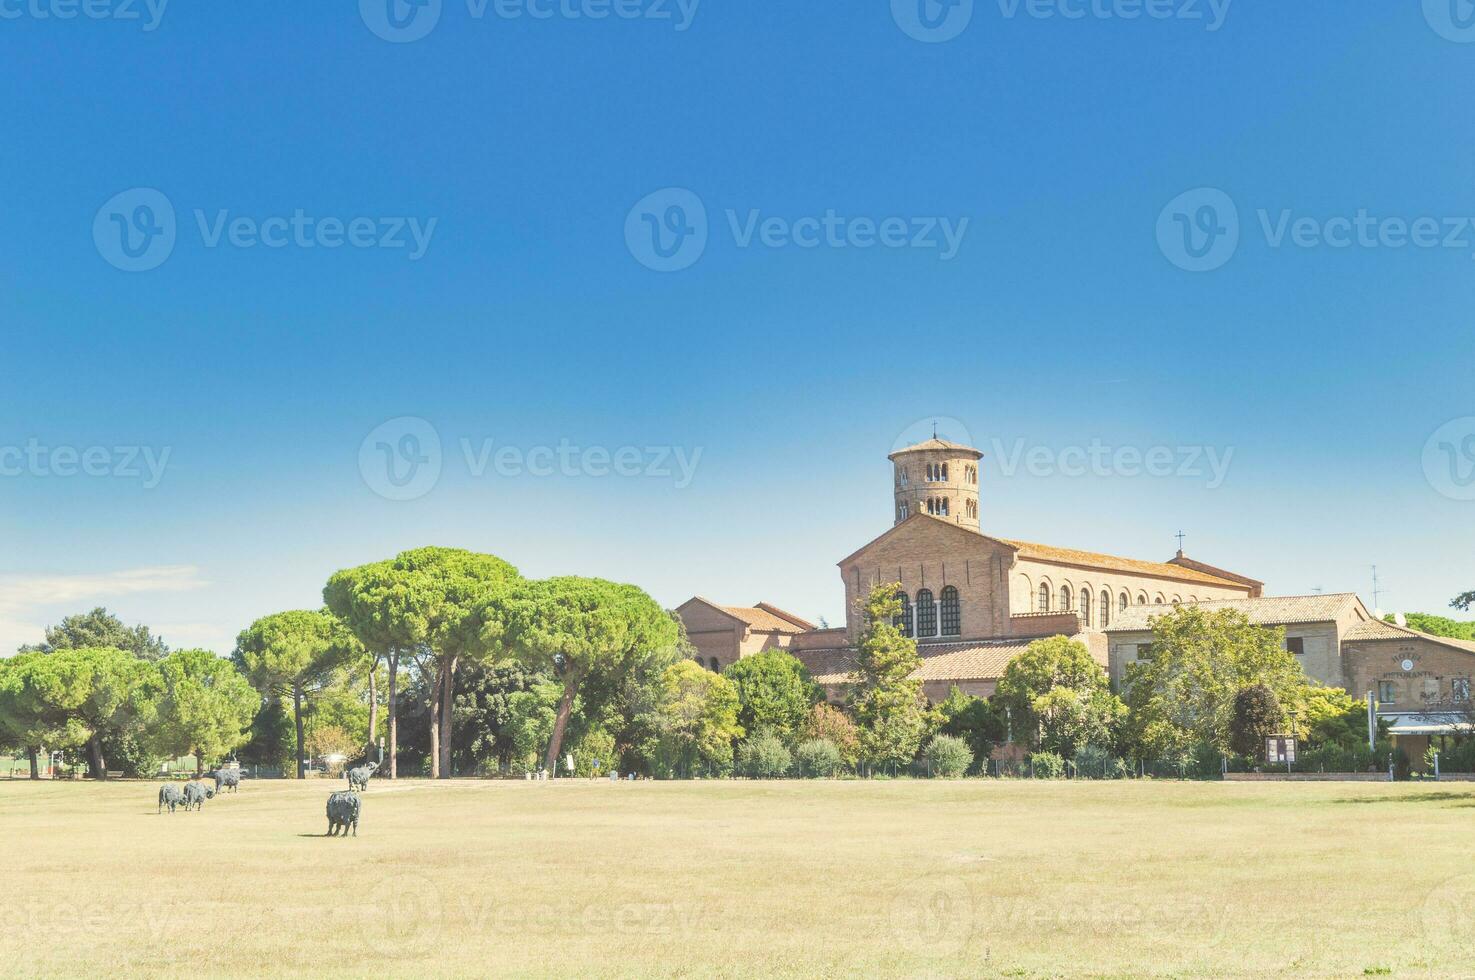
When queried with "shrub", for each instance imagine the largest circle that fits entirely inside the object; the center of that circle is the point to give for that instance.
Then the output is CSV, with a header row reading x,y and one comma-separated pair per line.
x,y
1048,765
764,757
818,758
1095,762
949,756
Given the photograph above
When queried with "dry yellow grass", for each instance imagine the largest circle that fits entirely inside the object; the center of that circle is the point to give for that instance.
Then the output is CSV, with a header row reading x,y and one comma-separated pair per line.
x,y
976,878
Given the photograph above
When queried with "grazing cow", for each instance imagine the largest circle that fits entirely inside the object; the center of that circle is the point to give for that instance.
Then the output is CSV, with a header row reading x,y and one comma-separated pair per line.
x,y
170,796
358,779
227,779
343,813
195,795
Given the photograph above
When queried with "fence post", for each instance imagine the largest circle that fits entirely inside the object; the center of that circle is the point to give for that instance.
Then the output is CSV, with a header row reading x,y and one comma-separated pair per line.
x,y
1436,765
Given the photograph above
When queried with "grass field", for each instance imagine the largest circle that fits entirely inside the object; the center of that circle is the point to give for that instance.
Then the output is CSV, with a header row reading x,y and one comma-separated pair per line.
x,y
975,878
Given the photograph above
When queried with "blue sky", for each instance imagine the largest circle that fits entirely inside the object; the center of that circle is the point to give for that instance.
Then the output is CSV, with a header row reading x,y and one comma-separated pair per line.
x,y
521,147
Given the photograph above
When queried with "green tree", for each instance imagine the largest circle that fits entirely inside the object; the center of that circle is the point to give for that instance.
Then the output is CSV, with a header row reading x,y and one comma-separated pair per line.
x,y
1256,716
948,756
84,695
818,758
448,596
1059,698
571,628
1437,625
97,629
289,654
1463,601
885,698
485,733
972,719
207,706
775,692
700,719
25,722
828,723
764,756
1184,693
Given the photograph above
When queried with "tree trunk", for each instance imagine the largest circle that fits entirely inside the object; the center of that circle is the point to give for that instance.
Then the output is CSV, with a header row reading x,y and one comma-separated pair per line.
x,y
394,713
199,762
297,714
437,690
95,761
373,706
565,708
447,708
34,757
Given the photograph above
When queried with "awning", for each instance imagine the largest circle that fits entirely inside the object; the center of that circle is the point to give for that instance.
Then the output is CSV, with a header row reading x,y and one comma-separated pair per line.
x,y
1433,723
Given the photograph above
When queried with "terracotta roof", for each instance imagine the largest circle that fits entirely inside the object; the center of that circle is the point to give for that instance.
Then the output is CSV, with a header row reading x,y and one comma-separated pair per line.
x,y
1092,559
768,618
1377,629
935,444
1268,611
968,661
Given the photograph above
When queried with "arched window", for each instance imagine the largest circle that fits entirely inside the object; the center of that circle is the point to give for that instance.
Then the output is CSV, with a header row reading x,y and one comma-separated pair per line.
x,y
1065,602
904,621
1086,606
926,614
952,617
944,506
972,508
901,475
1044,598
1177,599
944,472
904,512
1193,598
1122,605
1142,598
1158,599
1105,609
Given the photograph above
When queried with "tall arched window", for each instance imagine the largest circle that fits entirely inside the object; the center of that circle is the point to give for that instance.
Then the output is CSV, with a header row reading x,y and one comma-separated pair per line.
x,y
1122,605
1105,609
1044,598
904,512
1065,602
952,617
1086,606
926,614
904,621
1142,598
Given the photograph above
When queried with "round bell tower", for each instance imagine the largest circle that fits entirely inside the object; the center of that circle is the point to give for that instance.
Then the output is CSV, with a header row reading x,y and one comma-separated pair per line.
x,y
937,477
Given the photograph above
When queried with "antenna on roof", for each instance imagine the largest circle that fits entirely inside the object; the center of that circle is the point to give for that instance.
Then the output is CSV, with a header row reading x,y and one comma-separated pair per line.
x,y
1180,536
1377,590
1317,589
934,428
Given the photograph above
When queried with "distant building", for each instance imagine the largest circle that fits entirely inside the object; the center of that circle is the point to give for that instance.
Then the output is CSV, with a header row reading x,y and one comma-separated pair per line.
x,y
974,602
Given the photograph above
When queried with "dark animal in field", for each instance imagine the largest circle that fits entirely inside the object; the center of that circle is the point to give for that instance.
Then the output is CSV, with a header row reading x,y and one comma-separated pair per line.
x,y
171,796
358,779
343,813
227,779
195,795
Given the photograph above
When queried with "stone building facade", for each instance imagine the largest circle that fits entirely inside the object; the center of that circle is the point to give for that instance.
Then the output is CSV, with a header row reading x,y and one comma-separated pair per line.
x,y
971,600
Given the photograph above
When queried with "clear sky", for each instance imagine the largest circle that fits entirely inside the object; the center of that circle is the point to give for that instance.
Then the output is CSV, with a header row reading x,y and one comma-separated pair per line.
x,y
584,233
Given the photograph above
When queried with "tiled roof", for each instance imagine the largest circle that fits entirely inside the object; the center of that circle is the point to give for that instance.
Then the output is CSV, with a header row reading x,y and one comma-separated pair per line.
x,y
969,661
932,444
1092,559
1268,611
1377,629
768,618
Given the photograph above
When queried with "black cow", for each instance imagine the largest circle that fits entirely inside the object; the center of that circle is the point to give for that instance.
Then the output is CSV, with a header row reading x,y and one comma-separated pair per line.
x,y
195,795
358,779
227,779
170,796
343,813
